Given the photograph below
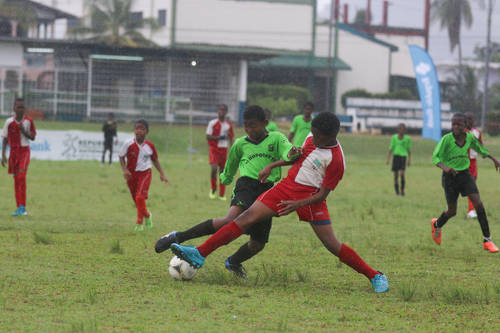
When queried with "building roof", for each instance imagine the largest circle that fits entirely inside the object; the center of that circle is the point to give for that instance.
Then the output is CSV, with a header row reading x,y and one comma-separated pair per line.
x,y
302,61
42,11
381,29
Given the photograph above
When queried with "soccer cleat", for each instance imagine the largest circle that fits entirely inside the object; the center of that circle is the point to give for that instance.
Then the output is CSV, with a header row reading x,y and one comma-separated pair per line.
x,y
222,198
189,254
237,270
212,195
164,242
139,227
149,221
17,212
380,283
472,214
436,232
490,246
22,211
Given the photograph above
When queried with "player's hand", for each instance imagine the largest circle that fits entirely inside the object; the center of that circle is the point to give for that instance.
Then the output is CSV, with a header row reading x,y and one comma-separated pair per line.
x,y
294,152
264,173
287,206
163,178
4,161
409,163
116,142
497,164
387,162
126,174
450,171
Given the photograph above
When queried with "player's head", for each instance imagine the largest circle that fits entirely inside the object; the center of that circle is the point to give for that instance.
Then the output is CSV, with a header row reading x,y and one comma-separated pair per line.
x,y
401,128
469,120
222,111
308,108
325,127
255,122
458,122
19,107
268,114
111,116
141,128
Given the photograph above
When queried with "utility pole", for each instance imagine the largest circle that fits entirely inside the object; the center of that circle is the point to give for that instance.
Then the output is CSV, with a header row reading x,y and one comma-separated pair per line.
x,y
331,83
486,67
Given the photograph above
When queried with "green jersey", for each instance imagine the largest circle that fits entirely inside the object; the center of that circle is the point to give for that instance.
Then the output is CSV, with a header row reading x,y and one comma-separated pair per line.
x,y
251,157
272,127
400,147
453,156
301,129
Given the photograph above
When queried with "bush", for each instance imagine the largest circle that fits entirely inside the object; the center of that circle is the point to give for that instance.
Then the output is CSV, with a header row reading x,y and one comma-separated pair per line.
x,y
282,100
404,94
493,122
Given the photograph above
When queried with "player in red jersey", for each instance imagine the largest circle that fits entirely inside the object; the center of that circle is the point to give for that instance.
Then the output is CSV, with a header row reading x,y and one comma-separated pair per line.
x,y
310,179
17,132
136,157
219,136
469,122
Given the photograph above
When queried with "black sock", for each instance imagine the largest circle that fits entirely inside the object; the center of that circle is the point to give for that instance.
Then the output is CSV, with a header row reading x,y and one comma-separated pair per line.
x,y
201,229
244,253
402,185
441,221
396,187
483,222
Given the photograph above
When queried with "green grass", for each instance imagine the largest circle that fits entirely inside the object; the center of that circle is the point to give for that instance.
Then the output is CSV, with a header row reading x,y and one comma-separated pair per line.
x,y
75,265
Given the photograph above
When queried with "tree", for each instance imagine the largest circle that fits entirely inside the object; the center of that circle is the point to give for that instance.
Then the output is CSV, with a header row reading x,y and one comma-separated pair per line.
x,y
24,15
451,14
360,17
463,92
480,52
112,23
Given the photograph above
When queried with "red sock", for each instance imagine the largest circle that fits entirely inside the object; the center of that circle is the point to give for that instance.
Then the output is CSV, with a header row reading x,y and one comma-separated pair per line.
x,y
224,236
471,206
140,203
349,257
16,190
213,182
222,189
22,189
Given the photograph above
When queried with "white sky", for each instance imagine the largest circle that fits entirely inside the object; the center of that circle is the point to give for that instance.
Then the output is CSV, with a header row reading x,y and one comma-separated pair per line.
x,y
410,13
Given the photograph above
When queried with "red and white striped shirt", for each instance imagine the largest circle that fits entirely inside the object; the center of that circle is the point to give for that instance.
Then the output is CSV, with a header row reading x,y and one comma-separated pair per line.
x,y
217,128
317,167
139,156
12,132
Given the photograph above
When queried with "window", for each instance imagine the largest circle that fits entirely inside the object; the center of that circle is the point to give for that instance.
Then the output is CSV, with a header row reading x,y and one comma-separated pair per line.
x,y
162,17
136,16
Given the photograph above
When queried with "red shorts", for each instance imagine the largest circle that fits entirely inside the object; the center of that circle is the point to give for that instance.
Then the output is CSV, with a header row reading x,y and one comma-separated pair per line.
x,y
473,168
139,183
19,159
217,156
316,214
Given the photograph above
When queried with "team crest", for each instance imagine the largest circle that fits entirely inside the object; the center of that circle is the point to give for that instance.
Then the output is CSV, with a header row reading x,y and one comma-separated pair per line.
x,y
270,148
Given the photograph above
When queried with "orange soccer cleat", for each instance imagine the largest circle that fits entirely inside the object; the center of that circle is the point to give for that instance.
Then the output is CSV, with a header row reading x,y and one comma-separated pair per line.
x,y
436,232
490,246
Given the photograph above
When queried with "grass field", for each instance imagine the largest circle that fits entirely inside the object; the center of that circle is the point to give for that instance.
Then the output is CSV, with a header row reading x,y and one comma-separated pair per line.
x,y
75,265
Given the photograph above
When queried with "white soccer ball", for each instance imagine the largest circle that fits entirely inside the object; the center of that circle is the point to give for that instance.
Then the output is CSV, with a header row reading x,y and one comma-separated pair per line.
x,y
180,269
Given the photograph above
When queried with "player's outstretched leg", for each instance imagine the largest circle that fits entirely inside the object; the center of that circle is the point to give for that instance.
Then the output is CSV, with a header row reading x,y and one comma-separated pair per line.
x,y
237,268
189,254
488,244
166,241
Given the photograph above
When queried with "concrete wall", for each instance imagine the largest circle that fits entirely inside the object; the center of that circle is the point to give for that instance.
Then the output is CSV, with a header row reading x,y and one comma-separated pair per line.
x,y
11,54
401,60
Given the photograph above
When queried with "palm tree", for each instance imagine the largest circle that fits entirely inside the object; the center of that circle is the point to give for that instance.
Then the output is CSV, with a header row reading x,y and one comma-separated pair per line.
x,y
451,14
112,23
463,91
24,15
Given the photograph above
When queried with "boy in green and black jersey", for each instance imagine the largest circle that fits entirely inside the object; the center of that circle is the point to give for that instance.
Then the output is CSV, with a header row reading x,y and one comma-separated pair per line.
x,y
400,148
249,154
452,155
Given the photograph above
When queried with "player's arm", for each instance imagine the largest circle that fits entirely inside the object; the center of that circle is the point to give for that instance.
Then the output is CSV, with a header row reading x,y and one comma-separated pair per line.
x,y
232,163
30,135
288,206
436,158
126,172
264,173
4,149
389,153
293,129
158,167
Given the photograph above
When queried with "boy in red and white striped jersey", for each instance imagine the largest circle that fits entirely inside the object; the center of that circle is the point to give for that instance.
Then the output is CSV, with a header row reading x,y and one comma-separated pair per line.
x,y
17,133
136,157
469,124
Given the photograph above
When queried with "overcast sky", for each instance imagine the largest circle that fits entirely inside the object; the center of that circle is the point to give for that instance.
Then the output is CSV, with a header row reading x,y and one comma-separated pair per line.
x,y
410,13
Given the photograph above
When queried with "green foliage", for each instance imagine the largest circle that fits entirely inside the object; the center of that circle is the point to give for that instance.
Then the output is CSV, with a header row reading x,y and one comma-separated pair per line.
x,y
494,96
493,122
463,92
294,285
404,94
282,100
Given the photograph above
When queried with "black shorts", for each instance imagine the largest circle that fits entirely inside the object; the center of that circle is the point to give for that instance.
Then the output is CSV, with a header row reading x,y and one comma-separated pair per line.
x,y
463,183
245,192
398,163
108,144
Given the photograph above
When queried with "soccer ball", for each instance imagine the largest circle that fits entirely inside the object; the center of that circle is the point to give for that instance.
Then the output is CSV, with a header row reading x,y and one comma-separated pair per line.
x,y
180,269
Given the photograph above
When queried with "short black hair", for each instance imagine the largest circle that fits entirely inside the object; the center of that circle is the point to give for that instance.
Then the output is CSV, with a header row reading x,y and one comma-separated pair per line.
x,y
459,115
144,123
19,99
254,112
402,124
223,106
309,104
326,123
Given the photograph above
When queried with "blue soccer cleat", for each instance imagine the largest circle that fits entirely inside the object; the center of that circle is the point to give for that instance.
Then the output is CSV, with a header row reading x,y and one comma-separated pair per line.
x,y
380,283
189,254
17,212
237,270
22,211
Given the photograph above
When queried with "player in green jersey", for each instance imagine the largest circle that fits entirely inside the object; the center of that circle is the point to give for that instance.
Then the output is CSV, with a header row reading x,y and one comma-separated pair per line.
x,y
451,155
249,154
400,149
271,125
301,126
